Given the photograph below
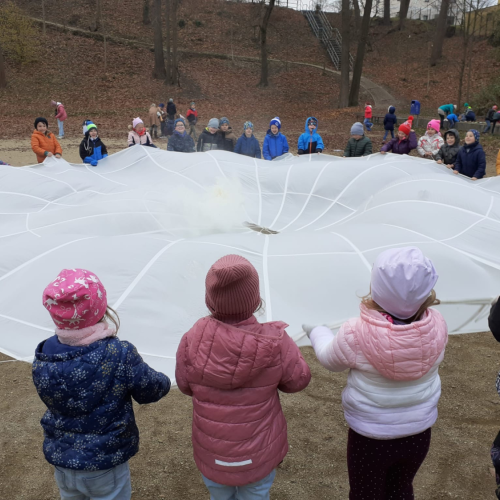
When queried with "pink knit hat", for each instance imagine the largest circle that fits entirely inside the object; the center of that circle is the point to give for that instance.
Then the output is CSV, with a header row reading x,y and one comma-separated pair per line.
x,y
435,124
76,299
232,289
136,122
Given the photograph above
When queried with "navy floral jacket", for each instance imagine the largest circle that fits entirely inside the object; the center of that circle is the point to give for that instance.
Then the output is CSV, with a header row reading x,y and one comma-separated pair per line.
x,y
89,423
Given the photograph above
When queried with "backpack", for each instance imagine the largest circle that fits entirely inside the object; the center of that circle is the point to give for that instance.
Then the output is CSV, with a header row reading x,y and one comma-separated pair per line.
x,y
496,116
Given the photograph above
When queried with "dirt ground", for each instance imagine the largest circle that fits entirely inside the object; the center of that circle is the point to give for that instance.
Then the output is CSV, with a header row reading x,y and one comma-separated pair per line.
x,y
458,464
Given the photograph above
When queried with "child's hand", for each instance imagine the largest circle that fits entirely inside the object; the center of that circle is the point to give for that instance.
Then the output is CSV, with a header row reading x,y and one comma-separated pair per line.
x,y
383,152
455,172
439,161
58,155
49,154
474,178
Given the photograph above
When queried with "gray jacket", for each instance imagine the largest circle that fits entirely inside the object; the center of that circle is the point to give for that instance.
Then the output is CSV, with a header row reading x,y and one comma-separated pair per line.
x,y
448,154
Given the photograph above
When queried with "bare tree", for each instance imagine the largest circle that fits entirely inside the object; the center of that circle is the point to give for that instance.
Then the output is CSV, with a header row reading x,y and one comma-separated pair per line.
x,y
145,13
169,54
403,13
344,59
174,70
437,49
159,72
357,16
264,22
387,12
3,73
360,55
98,16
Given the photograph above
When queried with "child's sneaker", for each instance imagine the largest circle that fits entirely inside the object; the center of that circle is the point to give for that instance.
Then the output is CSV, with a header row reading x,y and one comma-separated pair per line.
x,y
60,136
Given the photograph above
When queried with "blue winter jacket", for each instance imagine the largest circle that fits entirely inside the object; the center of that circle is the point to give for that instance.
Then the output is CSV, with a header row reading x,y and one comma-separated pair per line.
x,y
274,145
310,143
248,146
92,150
390,119
89,423
471,161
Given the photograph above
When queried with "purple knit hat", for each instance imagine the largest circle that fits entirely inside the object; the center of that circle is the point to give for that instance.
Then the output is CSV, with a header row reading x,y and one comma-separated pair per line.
x,y
232,289
402,279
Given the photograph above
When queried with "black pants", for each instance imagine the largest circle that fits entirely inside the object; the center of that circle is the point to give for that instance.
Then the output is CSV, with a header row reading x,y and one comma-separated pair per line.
x,y
495,458
153,130
384,469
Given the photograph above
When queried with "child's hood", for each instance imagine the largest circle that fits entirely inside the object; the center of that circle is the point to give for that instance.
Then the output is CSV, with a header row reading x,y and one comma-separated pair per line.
x,y
455,133
401,352
227,356
315,128
392,110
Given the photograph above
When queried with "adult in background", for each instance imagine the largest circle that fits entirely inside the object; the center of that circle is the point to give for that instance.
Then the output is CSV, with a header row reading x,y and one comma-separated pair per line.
x,y
61,117
171,109
163,119
192,118
444,111
489,118
154,121
180,140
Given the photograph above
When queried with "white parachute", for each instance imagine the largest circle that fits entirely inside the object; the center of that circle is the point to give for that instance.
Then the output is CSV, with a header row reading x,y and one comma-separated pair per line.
x,y
150,223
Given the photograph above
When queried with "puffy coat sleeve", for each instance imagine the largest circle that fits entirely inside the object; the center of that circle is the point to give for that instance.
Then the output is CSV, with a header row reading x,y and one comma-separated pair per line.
x,y
60,112
35,146
420,146
296,373
257,149
239,143
200,143
334,352
83,151
130,139
413,140
494,320
481,164
388,146
265,149
347,150
319,143
169,144
145,384
57,146
301,145
368,147
285,145
458,161
498,163
180,368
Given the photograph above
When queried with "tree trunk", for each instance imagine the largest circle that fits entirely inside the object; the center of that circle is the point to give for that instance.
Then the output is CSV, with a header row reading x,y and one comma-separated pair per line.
x,y
437,49
173,76
145,13
360,55
344,61
403,13
159,72
98,16
387,12
357,16
169,55
3,73
264,69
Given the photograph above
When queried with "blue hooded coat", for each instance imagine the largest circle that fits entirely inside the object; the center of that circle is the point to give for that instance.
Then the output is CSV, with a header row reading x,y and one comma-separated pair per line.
x,y
92,150
471,161
310,142
274,145
89,423
248,146
390,119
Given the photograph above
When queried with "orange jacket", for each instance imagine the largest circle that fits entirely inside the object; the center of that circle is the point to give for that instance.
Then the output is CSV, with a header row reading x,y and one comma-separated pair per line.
x,y
498,163
42,144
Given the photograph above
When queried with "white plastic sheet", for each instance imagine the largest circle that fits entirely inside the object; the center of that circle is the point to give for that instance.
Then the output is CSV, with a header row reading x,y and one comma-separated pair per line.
x,y
150,223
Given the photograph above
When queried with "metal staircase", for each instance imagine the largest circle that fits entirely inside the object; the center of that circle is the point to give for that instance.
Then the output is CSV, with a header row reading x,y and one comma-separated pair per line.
x,y
329,36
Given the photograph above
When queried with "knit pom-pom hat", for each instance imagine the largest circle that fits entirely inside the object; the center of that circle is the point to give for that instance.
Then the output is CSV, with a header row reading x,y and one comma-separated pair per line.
x,y
276,121
435,124
232,289
136,122
247,125
357,129
406,126
76,299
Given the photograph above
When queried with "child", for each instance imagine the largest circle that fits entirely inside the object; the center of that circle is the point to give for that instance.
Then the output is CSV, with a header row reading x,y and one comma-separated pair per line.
x,y
275,143
209,139
390,120
404,142
471,160
393,351
43,143
494,324
139,135
87,378
233,366
92,149
3,163
368,117
154,121
248,144
61,117
470,116
180,140
310,141
227,137
192,118
358,144
447,154
489,118
430,143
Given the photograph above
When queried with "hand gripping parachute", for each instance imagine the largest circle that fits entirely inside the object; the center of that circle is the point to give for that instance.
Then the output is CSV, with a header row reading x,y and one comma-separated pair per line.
x,y
150,223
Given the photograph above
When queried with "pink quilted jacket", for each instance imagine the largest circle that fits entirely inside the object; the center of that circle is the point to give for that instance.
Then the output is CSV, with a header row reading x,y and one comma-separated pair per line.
x,y
233,373
393,386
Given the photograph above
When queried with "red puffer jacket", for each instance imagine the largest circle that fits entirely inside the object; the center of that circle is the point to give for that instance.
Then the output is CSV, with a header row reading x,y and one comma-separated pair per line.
x,y
233,373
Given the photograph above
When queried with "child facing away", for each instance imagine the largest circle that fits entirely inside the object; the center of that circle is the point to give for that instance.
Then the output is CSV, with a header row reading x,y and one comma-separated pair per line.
x,y
448,152
233,367
61,116
452,120
139,135
192,118
275,143
87,378
92,149
393,351
209,139
248,144
405,142
180,140
368,117
430,143
358,144
44,143
471,160
310,141
390,121
227,136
